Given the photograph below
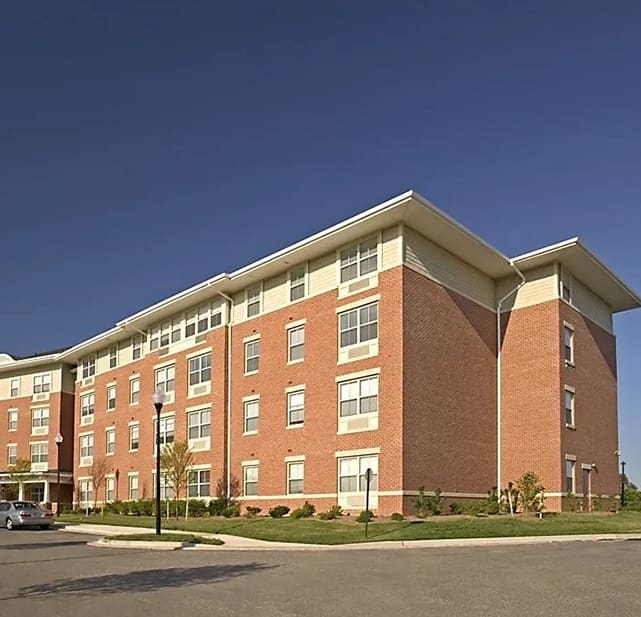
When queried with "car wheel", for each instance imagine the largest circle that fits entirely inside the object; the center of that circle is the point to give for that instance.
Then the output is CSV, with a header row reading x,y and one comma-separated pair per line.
x,y
9,524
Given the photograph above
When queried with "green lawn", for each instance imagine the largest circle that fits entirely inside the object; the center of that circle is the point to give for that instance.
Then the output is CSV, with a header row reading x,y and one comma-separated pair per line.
x,y
168,537
344,530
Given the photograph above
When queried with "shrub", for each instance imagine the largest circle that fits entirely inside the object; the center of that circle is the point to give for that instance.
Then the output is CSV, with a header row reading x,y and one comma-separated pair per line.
x,y
197,508
217,506
306,511
331,513
252,511
232,510
397,516
509,499
456,508
423,504
492,505
572,502
278,511
531,492
365,516
115,507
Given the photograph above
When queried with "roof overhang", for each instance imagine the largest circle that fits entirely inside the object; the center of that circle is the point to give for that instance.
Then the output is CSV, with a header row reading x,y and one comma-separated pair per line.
x,y
588,268
8,364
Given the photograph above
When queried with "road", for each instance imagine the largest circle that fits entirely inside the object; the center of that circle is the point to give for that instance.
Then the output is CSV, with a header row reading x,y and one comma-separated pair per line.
x,y
54,573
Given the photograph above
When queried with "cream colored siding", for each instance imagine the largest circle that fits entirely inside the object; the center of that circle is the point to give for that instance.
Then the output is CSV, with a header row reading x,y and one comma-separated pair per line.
x,y
323,274
102,361
541,285
240,312
591,305
391,248
432,261
56,380
275,293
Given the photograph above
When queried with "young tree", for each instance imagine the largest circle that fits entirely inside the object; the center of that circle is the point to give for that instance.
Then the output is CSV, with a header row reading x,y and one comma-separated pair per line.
x,y
175,461
99,470
19,473
531,494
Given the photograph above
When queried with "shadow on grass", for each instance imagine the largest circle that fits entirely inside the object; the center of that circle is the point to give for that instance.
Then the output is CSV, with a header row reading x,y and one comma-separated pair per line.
x,y
141,581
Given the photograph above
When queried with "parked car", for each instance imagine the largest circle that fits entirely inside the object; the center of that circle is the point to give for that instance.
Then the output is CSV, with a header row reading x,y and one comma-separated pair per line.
x,y
24,514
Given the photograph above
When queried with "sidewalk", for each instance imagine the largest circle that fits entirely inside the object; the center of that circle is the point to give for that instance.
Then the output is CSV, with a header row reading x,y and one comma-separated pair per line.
x,y
237,543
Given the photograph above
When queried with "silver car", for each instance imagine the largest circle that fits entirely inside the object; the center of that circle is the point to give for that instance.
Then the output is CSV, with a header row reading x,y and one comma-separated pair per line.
x,y
24,514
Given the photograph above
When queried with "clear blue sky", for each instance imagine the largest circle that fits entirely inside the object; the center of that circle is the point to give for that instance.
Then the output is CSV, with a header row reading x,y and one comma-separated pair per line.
x,y
145,146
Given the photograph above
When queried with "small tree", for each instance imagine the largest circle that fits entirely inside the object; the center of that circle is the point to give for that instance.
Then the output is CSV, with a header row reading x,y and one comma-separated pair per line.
x,y
175,460
423,504
234,488
19,473
99,470
531,493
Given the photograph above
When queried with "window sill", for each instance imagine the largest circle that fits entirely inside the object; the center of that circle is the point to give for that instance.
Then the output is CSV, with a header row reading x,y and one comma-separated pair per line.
x,y
290,362
295,426
133,451
569,364
572,427
250,433
250,373
110,454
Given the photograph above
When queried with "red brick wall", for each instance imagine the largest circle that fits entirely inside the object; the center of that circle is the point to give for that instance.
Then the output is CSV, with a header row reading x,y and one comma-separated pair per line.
x,y
449,426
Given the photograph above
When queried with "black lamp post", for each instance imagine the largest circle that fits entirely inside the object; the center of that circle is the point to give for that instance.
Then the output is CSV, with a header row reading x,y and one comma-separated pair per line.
x,y
158,398
58,439
622,483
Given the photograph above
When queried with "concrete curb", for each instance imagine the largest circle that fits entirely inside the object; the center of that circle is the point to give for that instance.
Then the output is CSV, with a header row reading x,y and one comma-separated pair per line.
x,y
139,544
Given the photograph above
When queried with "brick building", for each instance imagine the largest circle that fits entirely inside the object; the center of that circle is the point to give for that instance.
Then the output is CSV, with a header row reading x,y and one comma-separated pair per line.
x,y
372,344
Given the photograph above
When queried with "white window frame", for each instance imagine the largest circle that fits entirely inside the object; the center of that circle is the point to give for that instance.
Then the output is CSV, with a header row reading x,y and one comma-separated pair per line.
x,y
570,465
134,393
42,383
199,369
361,384
85,491
89,366
133,486
202,427
252,481
296,467
568,348
14,387
355,260
39,419
166,487
87,405
12,420
134,437
567,390
362,462
254,300
165,378
86,444
39,452
251,405
358,324
110,440
295,408
167,430
111,400
254,345
195,483
297,278
113,356
110,488
294,347
565,283
136,347
12,453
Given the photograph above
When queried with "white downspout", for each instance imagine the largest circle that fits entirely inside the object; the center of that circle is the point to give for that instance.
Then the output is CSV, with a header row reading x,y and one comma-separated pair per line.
x,y
498,378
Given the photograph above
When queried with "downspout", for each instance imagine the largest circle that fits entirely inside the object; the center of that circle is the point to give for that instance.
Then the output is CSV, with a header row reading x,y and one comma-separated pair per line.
x,y
499,377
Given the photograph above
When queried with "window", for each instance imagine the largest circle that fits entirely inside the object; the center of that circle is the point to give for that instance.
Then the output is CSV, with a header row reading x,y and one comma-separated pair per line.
x,y
359,260
89,367
198,424
569,407
295,478
358,396
358,325
39,419
13,420
110,437
351,473
568,344
15,387
87,405
136,347
253,300
12,454
134,391
199,369
111,398
566,286
110,489
297,284
190,323
165,379
162,334
113,356
198,483
252,356
86,445
42,383
208,318
252,410
166,488
250,480
134,436
296,344
176,330
295,408
85,491
133,487
166,431
569,476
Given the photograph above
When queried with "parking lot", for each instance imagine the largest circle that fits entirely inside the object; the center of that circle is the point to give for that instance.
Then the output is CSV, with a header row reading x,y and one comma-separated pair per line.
x,y
54,573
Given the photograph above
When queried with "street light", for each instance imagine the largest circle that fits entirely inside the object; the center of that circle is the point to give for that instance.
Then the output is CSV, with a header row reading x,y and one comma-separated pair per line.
x,y
158,399
58,439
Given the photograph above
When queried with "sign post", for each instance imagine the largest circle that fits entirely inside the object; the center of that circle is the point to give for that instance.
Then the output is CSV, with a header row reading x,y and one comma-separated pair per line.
x,y
368,479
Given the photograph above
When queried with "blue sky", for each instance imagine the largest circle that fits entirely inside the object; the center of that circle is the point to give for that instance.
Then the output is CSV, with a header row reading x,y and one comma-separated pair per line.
x,y
148,145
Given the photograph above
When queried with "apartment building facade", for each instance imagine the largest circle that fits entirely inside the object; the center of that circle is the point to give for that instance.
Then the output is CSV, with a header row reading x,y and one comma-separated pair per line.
x,y
371,345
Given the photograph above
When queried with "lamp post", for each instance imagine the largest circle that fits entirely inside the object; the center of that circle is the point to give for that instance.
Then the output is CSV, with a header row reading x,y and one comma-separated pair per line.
x,y
58,439
158,399
622,483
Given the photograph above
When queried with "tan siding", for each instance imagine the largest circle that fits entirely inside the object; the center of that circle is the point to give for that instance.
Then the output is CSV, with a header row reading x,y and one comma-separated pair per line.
x,y
275,294
541,286
391,248
591,305
429,259
322,274
239,311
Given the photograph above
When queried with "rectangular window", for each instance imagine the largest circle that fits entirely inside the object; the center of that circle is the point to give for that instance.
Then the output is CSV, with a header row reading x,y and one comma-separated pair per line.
x,y
207,319
12,454
176,330
568,344
39,419
87,405
111,398
133,487
198,424
190,323
569,407
251,413
351,473
136,347
166,431
198,483
295,408
42,383
165,379
110,489
569,476
134,391
85,491
86,445
39,453
252,356
199,369
250,480
253,300
358,396
297,284
134,436
296,344
13,420
15,387
358,325
110,437
161,335
359,260
166,489
113,356
566,285
295,478
89,367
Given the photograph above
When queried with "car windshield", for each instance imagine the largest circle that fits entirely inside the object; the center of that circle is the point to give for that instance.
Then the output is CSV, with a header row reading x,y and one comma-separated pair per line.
x,y
20,505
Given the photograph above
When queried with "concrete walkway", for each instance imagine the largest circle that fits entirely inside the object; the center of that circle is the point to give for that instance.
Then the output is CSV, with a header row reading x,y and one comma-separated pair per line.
x,y
238,543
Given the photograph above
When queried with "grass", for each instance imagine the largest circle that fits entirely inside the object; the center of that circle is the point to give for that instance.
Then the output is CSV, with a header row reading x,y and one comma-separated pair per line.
x,y
168,537
344,530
